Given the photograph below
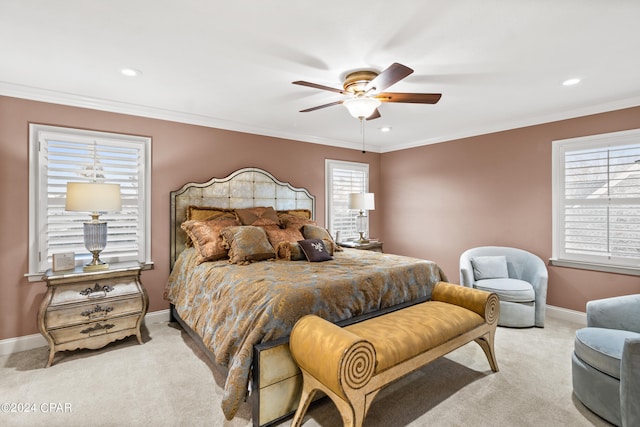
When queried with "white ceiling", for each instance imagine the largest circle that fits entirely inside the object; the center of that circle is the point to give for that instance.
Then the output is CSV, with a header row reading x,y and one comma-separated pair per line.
x,y
499,64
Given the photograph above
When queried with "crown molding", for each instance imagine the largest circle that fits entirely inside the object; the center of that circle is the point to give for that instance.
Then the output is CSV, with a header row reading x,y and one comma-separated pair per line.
x,y
73,100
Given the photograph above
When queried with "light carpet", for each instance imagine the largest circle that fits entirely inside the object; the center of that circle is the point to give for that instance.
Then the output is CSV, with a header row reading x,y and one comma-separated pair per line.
x,y
169,382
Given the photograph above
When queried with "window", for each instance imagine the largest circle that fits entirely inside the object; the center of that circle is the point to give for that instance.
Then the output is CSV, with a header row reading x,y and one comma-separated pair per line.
x,y
59,155
341,179
596,202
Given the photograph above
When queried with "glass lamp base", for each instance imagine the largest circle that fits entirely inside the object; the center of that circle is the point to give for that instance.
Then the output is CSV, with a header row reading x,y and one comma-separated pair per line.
x,y
95,240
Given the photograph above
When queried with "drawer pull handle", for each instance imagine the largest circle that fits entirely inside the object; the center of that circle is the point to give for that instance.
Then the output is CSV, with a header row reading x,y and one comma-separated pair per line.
x,y
97,289
98,327
98,309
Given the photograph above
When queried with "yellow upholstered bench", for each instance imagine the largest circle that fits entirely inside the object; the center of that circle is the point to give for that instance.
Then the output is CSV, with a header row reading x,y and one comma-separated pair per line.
x,y
352,364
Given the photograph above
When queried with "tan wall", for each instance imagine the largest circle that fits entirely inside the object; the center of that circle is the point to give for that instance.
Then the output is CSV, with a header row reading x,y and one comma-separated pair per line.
x,y
494,189
180,153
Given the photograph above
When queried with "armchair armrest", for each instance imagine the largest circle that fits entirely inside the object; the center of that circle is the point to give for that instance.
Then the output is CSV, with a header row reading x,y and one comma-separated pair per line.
x,y
466,272
630,383
615,313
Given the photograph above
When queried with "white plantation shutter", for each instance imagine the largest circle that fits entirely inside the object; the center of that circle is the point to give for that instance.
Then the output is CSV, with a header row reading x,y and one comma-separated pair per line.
x,y
597,199
64,155
343,178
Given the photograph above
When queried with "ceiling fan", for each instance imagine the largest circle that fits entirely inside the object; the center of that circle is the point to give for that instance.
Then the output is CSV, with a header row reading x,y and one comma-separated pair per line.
x,y
365,91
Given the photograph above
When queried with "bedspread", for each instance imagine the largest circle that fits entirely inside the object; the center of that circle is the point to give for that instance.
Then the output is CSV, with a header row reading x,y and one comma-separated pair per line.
x,y
233,307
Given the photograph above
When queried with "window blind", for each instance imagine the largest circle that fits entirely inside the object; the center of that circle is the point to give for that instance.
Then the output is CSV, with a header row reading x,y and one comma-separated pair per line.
x,y
77,157
600,203
344,178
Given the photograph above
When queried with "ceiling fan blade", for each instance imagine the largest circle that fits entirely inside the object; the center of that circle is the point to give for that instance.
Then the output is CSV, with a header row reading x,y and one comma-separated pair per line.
x,y
393,74
317,86
375,115
413,98
321,106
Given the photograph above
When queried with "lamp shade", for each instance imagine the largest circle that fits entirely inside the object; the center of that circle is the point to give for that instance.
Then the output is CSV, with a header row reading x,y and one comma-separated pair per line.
x,y
93,197
361,107
362,201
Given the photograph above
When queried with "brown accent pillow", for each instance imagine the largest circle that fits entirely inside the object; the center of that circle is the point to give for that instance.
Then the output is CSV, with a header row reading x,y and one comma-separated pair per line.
x,y
205,236
258,216
201,213
276,235
315,250
289,251
247,244
300,213
293,221
310,231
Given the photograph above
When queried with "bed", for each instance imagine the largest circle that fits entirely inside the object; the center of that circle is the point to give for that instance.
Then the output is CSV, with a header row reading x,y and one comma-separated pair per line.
x,y
242,313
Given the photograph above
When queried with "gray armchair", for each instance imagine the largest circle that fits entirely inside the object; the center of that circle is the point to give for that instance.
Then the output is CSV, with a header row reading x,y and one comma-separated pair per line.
x,y
606,360
518,277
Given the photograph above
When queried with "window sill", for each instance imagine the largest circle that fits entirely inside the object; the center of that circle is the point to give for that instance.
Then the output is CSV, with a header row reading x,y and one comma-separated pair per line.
x,y
632,271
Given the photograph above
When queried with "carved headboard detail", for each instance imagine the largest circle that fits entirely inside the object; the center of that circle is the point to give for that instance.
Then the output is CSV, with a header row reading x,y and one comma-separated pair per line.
x,y
244,188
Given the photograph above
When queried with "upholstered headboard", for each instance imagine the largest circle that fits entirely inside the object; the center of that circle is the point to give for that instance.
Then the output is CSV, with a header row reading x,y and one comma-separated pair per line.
x,y
244,188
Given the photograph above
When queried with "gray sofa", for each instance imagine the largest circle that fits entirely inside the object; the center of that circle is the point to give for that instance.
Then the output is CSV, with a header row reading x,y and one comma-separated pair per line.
x,y
606,360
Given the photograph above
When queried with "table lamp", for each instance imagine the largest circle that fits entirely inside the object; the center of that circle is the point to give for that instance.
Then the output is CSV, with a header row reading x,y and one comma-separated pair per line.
x,y
95,198
361,202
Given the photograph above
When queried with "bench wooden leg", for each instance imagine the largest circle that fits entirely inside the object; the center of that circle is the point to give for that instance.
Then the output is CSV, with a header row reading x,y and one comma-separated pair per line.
x,y
486,343
352,413
308,392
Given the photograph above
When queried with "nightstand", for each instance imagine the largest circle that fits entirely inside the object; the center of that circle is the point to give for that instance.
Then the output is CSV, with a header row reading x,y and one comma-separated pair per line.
x,y
371,246
92,309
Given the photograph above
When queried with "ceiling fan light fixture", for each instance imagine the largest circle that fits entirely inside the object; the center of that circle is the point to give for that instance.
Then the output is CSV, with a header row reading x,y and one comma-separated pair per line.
x,y
361,107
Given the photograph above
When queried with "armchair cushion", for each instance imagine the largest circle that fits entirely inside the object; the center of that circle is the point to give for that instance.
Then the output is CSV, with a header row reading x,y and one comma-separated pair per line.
x,y
512,290
490,267
602,348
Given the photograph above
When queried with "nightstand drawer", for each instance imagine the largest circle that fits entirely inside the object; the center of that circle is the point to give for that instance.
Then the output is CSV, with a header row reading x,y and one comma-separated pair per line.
x,y
108,326
99,310
94,290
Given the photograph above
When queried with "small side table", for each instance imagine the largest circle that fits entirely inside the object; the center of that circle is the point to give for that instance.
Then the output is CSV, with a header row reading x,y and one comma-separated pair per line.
x,y
371,246
92,309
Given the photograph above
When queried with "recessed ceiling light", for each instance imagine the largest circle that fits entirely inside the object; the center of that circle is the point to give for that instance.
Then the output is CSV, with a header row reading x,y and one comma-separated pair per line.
x,y
130,72
385,129
571,82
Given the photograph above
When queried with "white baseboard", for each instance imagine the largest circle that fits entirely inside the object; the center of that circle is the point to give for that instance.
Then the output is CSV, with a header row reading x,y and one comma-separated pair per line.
x,y
28,342
565,314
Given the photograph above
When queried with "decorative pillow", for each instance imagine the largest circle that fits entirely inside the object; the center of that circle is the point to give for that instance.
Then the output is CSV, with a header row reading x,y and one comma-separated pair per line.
x,y
290,251
205,236
201,213
490,267
276,235
288,220
316,232
246,244
300,213
315,250
258,216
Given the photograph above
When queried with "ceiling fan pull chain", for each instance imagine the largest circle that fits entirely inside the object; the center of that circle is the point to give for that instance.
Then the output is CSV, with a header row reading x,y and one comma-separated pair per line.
x,y
362,131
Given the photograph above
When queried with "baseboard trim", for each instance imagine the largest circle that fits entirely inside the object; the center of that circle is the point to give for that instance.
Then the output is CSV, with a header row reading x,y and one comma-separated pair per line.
x,y
28,342
565,314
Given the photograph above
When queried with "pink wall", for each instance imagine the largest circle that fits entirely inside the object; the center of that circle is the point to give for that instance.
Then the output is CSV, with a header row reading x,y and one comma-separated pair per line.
x,y
494,189
180,153
432,202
